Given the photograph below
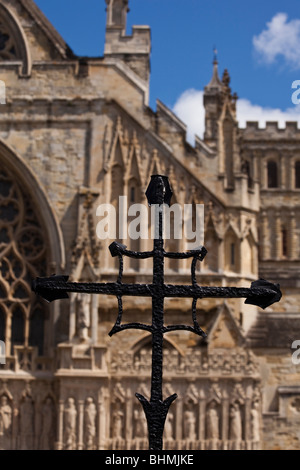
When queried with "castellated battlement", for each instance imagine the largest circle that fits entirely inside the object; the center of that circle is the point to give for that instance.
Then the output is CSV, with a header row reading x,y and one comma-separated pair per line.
x,y
272,129
137,43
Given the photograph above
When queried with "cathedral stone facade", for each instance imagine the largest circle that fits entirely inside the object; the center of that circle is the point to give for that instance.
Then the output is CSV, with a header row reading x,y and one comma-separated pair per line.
x,y
77,132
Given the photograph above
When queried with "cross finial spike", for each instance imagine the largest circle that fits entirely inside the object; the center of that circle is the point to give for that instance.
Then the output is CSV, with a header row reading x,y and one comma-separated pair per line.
x,y
215,57
159,190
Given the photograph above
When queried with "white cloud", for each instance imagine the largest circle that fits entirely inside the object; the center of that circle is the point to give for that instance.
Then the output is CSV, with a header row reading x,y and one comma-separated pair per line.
x,y
189,108
280,38
246,111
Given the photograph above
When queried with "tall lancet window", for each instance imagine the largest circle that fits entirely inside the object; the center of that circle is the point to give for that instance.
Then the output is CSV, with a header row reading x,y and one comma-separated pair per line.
x,y
117,183
297,174
284,242
173,227
117,189
232,250
272,174
134,191
228,150
247,169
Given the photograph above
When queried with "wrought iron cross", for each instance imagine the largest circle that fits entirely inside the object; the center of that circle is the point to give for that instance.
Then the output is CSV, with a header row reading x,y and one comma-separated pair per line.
x,y
261,293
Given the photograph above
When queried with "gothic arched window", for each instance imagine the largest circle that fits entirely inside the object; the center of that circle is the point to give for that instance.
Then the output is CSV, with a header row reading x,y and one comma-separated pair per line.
x,y
17,326
22,258
232,249
13,41
272,174
36,331
211,261
284,242
247,169
133,198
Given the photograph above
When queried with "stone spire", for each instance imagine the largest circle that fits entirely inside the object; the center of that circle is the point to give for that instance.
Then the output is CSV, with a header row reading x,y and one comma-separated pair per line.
x,y
215,82
220,124
231,98
212,100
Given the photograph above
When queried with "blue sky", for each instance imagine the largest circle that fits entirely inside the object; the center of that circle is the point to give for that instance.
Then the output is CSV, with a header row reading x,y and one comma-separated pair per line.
x,y
258,41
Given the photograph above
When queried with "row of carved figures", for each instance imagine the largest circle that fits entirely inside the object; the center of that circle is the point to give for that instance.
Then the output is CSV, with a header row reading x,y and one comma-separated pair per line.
x,y
192,362
17,424
80,427
19,428
70,424
213,423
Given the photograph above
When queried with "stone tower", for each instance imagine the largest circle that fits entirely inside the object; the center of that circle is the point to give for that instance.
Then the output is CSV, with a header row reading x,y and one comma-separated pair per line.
x,y
117,15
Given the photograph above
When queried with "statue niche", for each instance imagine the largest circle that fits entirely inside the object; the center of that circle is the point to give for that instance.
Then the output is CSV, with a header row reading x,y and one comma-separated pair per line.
x,y
83,316
26,423
90,414
47,433
70,422
118,421
5,423
235,425
213,421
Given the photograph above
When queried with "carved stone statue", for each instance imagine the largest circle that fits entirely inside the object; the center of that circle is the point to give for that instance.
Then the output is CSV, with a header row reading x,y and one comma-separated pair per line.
x,y
47,424
118,418
140,424
5,423
235,431
251,365
204,366
90,414
26,423
226,367
168,429
83,315
255,422
190,425
70,417
212,420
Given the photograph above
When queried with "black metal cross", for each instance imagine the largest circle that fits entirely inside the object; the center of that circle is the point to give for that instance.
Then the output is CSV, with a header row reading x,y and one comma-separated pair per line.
x,y
261,293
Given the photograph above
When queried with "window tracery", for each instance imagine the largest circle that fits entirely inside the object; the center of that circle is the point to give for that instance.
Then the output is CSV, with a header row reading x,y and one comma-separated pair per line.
x,y
23,256
7,43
